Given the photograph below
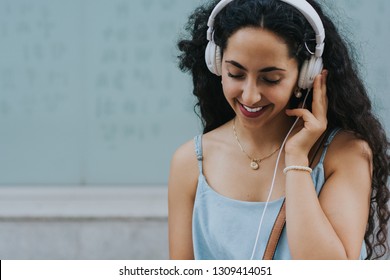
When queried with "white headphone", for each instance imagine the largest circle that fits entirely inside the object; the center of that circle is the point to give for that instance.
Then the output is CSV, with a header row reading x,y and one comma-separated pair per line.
x,y
310,68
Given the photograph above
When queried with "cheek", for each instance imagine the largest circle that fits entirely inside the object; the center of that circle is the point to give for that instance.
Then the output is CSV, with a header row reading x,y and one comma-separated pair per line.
x,y
286,89
230,89
279,96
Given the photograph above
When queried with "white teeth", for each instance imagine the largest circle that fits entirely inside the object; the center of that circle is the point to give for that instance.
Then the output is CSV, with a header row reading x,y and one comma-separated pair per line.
x,y
252,110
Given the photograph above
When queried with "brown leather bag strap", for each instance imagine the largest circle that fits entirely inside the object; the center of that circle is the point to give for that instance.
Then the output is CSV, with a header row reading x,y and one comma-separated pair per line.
x,y
275,233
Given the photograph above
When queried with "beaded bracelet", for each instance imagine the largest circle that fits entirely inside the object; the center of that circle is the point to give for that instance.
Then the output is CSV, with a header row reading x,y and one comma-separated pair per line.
x,y
298,168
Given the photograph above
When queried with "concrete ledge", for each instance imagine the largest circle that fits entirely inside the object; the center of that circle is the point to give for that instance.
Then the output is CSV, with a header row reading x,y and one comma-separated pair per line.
x,y
145,202
83,223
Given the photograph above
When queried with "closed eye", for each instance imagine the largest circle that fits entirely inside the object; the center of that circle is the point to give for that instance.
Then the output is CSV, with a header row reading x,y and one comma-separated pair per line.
x,y
235,76
274,82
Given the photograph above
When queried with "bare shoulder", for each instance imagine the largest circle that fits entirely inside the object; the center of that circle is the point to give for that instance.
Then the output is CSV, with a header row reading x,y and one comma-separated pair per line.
x,y
184,167
348,152
185,156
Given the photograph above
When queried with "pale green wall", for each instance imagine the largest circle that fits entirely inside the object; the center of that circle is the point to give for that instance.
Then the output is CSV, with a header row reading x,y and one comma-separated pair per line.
x,y
90,92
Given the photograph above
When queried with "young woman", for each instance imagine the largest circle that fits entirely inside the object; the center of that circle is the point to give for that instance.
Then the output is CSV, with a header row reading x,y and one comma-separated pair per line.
x,y
228,185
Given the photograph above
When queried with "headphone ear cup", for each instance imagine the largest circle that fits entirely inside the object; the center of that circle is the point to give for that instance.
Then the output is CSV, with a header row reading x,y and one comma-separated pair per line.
x,y
213,58
302,75
218,61
310,69
208,56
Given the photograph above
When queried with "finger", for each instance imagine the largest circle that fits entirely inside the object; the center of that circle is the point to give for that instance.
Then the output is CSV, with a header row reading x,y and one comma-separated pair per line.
x,y
305,114
319,106
309,120
323,86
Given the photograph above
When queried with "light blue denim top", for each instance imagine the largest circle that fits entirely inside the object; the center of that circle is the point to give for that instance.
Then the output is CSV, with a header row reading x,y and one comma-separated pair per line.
x,y
225,228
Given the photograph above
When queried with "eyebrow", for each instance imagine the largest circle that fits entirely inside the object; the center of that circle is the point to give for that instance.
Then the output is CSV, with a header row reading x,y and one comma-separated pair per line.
x,y
264,70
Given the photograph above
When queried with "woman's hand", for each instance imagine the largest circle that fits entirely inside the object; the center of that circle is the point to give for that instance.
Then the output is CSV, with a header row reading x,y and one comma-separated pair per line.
x,y
311,124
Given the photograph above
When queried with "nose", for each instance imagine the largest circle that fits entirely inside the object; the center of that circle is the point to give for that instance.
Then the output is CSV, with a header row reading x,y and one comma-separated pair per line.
x,y
251,93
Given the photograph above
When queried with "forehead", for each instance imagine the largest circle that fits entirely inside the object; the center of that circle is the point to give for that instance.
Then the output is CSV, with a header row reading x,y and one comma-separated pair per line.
x,y
256,44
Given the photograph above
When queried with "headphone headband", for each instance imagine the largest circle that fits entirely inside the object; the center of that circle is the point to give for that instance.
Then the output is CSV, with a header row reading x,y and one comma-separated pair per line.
x,y
222,4
314,19
301,5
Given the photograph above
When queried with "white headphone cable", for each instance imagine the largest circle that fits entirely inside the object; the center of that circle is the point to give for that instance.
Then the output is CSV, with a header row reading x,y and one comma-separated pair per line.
x,y
274,177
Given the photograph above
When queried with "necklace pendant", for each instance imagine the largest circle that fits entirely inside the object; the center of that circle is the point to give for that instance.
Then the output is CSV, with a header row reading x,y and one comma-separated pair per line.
x,y
254,165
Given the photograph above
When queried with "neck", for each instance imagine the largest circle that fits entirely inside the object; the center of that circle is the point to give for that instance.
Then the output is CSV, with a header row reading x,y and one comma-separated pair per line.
x,y
258,141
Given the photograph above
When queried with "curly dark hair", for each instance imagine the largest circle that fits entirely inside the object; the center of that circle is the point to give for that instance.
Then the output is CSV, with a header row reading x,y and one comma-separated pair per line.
x,y
349,105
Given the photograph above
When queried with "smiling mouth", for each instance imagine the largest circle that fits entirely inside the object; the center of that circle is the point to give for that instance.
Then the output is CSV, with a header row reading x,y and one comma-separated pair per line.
x,y
252,110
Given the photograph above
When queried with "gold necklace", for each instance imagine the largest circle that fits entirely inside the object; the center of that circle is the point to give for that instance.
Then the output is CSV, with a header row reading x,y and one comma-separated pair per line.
x,y
255,162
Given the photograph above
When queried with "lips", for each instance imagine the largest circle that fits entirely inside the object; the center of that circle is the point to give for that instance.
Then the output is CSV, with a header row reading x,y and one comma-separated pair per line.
x,y
252,112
